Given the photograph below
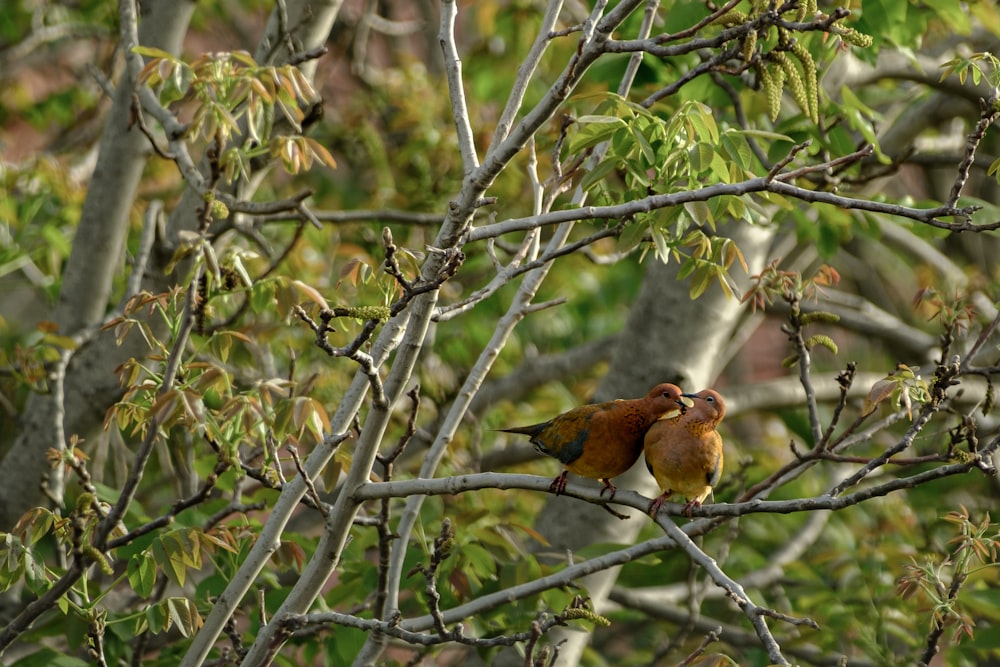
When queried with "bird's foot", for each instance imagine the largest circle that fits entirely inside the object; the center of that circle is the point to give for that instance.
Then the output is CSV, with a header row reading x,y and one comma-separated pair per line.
x,y
609,485
558,485
691,505
657,503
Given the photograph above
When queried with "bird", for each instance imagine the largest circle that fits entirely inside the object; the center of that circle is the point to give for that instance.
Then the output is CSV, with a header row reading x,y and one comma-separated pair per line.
x,y
602,440
684,452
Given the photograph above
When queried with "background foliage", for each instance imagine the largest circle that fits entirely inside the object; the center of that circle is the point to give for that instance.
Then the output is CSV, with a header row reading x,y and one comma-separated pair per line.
x,y
251,304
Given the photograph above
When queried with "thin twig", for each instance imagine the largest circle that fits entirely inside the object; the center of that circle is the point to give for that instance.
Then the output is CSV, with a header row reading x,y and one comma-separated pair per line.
x,y
845,380
453,70
781,164
140,120
753,612
152,225
708,640
310,487
989,113
794,331
526,70
176,509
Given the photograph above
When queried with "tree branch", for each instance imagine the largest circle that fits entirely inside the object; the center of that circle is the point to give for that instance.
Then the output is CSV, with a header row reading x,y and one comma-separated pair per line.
x,y
527,69
456,87
929,216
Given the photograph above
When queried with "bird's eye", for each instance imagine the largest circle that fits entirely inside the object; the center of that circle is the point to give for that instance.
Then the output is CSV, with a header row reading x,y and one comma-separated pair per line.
x,y
710,399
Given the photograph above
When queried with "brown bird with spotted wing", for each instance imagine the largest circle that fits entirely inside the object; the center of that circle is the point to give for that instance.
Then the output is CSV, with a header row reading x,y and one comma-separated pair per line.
x,y
602,440
684,453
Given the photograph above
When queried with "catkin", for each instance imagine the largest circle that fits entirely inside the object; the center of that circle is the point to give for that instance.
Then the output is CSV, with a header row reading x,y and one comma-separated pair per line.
x,y
749,45
809,80
772,91
368,312
795,85
734,17
855,38
807,9
819,316
825,341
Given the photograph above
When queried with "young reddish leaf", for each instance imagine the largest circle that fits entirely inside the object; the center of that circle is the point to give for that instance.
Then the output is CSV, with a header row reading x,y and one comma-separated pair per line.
x,y
880,391
310,292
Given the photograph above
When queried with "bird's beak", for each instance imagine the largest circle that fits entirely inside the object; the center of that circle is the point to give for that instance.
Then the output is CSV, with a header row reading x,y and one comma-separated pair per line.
x,y
676,412
683,403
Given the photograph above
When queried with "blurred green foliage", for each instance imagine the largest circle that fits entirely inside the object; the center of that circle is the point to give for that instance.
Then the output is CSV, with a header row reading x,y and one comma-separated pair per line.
x,y
253,377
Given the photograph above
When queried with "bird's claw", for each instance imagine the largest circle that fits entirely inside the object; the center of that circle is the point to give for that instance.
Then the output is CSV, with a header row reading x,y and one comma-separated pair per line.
x,y
657,503
558,485
691,505
608,485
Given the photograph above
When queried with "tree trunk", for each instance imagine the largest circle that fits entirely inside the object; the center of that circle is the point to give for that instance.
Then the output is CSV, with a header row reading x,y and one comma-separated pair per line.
x,y
86,287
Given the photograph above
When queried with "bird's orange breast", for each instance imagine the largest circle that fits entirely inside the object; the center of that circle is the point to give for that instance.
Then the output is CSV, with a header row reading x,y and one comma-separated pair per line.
x,y
683,461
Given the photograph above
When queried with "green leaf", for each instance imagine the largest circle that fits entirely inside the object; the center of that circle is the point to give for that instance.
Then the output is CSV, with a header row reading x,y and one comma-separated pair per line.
x,y
701,156
839,139
700,282
699,211
183,615
954,14
632,235
153,52
479,561
262,296
827,240
47,657
760,134
175,552
860,123
347,645
729,206
891,20
622,143
142,574
988,210
987,14
243,57
702,121
35,574
637,179
993,168
687,268
157,618
737,149
662,248
598,173
854,102
644,146
176,86
720,168
593,131
41,523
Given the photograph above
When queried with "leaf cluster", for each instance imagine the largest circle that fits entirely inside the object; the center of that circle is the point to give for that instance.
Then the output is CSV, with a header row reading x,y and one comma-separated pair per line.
x,y
235,98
